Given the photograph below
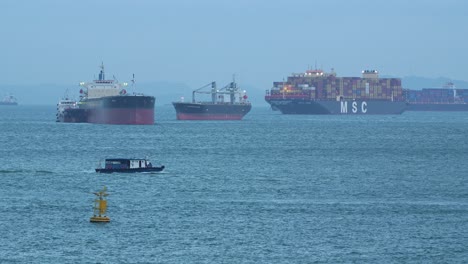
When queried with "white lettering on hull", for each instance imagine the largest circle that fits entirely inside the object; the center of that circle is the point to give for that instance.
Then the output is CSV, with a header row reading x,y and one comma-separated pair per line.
x,y
364,107
344,107
355,109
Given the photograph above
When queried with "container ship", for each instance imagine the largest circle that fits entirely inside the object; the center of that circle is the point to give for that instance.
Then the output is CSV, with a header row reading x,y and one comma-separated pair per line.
x,y
316,92
107,102
9,100
216,109
447,98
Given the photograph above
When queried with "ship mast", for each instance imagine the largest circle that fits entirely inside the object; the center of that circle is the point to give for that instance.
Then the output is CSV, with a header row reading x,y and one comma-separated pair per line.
x,y
101,73
232,89
213,92
133,84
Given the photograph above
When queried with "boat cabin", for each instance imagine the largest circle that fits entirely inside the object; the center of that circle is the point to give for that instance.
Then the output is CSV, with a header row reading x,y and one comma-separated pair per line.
x,y
127,163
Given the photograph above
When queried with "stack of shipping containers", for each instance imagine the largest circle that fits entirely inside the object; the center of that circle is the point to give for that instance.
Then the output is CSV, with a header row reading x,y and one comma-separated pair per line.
x,y
437,96
330,87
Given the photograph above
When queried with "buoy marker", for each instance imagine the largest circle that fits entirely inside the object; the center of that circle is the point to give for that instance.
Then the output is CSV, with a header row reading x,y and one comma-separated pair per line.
x,y
100,207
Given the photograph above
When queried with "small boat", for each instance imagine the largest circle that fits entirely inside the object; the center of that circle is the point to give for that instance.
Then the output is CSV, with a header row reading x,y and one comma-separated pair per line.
x,y
128,166
63,106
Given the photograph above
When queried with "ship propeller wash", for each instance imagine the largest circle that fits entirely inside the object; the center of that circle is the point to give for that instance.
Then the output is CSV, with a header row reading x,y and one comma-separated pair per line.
x,y
235,108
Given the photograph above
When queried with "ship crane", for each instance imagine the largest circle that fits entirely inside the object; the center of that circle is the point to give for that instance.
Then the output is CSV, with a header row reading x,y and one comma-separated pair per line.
x,y
231,89
212,92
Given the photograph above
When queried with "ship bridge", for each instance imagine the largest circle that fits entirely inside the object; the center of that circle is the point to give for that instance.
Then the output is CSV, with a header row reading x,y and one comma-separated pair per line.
x,y
102,87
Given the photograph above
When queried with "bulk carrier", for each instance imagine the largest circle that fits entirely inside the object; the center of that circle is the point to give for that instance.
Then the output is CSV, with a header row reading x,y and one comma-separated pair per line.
x,y
316,92
107,102
448,98
216,109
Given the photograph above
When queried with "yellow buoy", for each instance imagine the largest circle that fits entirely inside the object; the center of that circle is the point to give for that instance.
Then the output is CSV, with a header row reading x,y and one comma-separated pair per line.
x,y
100,207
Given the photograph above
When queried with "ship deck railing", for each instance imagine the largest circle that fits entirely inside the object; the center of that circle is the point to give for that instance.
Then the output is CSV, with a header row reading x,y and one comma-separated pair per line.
x,y
292,96
224,103
309,98
428,102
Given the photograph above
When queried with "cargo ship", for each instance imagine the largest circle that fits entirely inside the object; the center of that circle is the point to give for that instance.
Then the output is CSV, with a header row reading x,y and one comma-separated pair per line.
x,y
447,98
107,102
315,92
9,100
216,109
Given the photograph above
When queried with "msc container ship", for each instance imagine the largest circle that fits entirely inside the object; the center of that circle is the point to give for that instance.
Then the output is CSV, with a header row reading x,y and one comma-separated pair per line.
x,y
316,92
107,102
216,109
448,98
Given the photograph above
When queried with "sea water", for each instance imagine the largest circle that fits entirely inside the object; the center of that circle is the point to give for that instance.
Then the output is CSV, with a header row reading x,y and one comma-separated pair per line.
x,y
271,188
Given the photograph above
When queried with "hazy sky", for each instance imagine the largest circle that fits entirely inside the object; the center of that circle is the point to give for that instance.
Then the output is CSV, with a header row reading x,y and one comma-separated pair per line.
x,y
195,42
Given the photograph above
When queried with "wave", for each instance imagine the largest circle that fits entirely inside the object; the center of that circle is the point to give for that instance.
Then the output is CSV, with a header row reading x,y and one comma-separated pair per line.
x,y
26,171
89,171
154,172
44,172
10,171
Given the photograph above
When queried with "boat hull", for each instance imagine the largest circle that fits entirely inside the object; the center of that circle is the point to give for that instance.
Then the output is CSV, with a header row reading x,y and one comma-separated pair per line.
x,y
121,116
134,170
207,111
437,107
351,107
117,110
99,219
74,115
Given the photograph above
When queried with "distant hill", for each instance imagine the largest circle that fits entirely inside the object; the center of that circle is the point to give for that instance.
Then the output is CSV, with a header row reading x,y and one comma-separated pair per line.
x,y
417,83
167,92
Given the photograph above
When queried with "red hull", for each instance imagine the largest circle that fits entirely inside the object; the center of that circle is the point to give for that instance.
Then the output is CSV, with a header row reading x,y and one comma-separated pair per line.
x,y
121,116
181,116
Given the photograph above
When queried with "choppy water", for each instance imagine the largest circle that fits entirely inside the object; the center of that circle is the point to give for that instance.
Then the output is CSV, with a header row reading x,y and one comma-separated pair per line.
x,y
268,189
